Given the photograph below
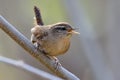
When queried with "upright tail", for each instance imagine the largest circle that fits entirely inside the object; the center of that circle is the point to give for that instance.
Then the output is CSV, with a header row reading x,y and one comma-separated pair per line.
x,y
38,16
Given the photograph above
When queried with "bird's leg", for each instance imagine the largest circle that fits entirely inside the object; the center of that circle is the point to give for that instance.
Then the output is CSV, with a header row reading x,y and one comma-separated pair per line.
x,y
57,63
37,45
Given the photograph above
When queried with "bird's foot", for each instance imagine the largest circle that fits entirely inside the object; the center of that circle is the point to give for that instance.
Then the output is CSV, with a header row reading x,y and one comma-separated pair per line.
x,y
57,63
37,46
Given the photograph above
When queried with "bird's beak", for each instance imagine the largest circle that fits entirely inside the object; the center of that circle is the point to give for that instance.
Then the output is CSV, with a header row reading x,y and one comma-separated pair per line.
x,y
74,32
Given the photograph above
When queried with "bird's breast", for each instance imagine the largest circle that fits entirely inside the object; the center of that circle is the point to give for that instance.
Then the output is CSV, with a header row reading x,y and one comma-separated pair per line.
x,y
55,48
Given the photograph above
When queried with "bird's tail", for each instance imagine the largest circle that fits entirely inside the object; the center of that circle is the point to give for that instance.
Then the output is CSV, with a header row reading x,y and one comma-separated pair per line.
x,y
37,18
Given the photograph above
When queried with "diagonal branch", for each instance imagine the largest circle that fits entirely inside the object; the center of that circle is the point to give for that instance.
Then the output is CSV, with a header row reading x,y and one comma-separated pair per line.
x,y
30,48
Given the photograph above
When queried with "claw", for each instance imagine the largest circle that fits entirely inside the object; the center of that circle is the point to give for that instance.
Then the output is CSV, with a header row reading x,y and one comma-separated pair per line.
x,y
36,45
57,63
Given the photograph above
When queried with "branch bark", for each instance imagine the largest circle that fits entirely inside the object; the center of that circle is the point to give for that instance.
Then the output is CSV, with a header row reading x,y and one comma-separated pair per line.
x,y
30,48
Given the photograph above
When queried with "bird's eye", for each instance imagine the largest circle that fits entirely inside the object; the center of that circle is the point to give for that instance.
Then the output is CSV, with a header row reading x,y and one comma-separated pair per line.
x,y
61,28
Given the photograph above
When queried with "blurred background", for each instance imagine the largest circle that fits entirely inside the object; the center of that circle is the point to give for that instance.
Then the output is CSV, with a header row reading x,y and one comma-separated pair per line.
x,y
93,55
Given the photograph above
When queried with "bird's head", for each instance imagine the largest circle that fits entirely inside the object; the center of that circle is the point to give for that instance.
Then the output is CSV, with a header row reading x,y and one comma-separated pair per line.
x,y
63,29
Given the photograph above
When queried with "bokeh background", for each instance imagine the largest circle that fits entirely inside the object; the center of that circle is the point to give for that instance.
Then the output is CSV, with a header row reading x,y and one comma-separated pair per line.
x,y
93,55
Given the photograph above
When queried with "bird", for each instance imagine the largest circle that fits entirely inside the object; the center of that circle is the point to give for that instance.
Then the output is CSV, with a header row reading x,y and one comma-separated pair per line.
x,y
54,39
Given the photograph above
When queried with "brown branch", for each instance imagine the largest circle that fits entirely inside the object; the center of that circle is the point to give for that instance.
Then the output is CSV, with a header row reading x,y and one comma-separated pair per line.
x,y
30,48
38,16
20,64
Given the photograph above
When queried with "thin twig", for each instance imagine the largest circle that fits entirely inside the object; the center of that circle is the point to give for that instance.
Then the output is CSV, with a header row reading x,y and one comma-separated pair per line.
x,y
22,65
30,48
